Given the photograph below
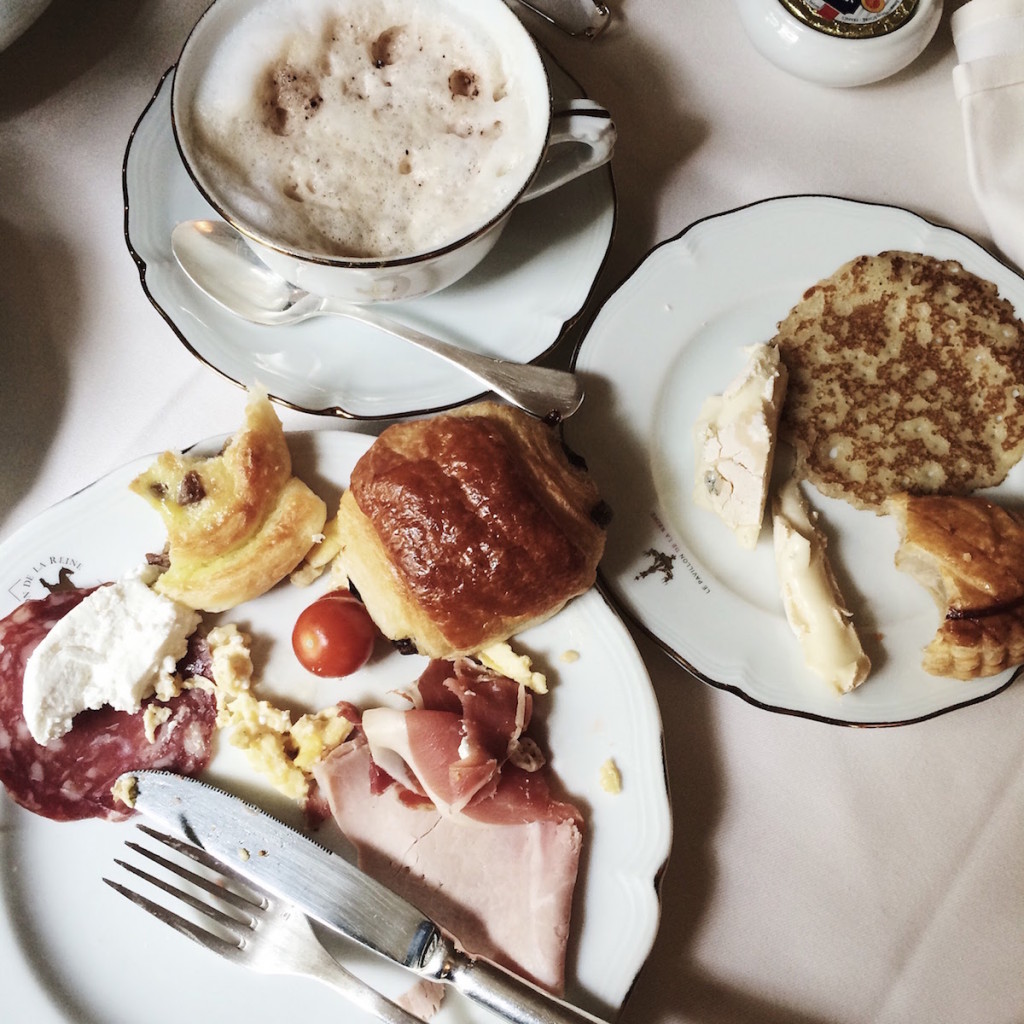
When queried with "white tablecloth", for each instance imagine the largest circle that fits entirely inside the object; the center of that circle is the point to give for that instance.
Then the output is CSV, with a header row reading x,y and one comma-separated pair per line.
x,y
818,873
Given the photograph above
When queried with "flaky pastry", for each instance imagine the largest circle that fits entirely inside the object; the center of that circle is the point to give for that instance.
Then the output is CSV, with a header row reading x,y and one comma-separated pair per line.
x,y
461,530
969,553
237,522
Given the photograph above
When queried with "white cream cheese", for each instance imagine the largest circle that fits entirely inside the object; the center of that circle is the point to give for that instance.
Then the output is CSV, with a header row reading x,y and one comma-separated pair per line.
x,y
734,438
117,647
814,606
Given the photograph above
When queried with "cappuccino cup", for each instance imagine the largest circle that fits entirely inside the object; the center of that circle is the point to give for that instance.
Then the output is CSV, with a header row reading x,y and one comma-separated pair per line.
x,y
373,150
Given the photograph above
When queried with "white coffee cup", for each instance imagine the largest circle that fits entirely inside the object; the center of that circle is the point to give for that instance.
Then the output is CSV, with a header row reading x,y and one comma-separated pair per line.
x,y
545,145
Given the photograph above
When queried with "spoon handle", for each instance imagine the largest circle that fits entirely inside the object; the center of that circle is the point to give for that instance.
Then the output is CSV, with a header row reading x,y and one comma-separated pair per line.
x,y
540,390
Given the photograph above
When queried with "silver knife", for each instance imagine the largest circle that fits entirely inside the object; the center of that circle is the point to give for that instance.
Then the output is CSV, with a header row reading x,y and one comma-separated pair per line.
x,y
336,893
577,17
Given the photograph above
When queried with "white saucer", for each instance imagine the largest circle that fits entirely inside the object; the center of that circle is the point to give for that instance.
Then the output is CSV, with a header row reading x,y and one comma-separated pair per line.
x,y
515,304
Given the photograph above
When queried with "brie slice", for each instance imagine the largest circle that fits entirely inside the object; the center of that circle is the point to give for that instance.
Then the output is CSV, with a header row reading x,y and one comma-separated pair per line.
x,y
734,438
814,606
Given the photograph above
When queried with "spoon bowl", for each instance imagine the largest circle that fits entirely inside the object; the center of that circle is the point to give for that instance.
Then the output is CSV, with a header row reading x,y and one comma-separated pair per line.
x,y
219,261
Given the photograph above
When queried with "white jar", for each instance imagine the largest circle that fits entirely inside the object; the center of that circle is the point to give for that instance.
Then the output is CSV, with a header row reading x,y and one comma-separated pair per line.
x,y
840,42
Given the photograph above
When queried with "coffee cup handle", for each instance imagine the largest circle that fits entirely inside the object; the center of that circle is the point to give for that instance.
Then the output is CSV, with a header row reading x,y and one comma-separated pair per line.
x,y
582,139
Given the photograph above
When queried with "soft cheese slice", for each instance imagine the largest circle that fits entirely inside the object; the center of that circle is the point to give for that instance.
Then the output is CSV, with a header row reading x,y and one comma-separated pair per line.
x,y
116,648
814,606
734,437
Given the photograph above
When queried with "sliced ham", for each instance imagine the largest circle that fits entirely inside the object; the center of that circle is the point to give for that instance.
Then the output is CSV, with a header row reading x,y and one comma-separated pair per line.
x,y
423,1000
504,891
440,808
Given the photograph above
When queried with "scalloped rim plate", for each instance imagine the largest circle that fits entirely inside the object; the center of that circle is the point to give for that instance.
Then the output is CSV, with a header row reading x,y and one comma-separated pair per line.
x,y
516,304
75,951
673,334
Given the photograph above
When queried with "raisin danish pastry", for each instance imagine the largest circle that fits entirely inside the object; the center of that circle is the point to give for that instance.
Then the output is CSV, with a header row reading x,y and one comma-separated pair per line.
x,y
461,530
969,553
237,522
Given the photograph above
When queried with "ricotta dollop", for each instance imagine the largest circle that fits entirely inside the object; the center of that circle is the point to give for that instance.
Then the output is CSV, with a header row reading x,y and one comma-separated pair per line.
x,y
117,647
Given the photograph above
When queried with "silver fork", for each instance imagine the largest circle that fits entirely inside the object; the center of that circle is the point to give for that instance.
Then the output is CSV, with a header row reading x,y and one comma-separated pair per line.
x,y
260,932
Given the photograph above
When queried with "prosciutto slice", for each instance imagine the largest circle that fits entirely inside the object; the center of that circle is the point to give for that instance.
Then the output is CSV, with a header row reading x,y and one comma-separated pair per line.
x,y
465,723
479,843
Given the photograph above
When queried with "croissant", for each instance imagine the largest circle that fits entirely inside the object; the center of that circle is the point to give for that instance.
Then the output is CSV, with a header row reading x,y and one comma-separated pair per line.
x,y
969,553
460,530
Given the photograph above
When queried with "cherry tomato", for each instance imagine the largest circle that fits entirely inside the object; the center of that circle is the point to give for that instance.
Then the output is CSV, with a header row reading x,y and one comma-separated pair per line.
x,y
334,636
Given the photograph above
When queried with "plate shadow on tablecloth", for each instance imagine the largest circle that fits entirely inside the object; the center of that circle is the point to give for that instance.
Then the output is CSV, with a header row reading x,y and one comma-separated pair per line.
x,y
77,35
658,125
33,367
672,983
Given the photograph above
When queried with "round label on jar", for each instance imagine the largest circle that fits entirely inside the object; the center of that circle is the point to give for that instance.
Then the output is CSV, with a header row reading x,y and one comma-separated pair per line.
x,y
852,19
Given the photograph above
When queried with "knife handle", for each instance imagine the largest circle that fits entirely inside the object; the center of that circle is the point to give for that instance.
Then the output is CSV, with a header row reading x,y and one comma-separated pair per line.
x,y
512,998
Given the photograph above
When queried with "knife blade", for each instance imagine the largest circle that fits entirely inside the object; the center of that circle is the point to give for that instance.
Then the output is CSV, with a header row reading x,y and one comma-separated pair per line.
x,y
337,894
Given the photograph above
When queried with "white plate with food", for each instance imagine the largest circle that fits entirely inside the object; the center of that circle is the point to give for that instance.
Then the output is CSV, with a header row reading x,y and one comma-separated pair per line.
x,y
75,951
551,251
672,335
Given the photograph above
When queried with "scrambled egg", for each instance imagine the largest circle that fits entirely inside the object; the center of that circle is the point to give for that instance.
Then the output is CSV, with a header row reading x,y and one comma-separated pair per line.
x,y
126,789
502,659
610,777
281,750
153,717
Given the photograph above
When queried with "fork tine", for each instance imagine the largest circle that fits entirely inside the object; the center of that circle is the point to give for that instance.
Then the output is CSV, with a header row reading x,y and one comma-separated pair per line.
x,y
224,947
226,921
241,901
200,856
275,939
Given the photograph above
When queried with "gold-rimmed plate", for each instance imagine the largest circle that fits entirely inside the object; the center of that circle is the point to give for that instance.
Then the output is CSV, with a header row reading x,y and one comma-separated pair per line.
x,y
670,336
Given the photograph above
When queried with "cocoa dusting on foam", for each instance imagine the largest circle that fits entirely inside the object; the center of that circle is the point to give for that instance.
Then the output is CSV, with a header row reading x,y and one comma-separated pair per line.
x,y
291,96
383,48
463,83
363,128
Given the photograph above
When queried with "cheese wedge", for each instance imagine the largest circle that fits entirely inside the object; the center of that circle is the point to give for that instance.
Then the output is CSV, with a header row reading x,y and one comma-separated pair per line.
x,y
734,438
815,608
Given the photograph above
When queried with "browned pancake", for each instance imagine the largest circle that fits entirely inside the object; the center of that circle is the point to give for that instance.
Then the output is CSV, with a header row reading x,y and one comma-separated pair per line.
x,y
906,373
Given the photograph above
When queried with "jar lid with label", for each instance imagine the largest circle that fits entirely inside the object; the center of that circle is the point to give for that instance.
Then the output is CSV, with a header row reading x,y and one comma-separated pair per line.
x,y
840,42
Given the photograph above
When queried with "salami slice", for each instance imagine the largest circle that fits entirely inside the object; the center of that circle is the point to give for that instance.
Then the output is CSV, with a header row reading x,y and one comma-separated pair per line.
x,y
71,777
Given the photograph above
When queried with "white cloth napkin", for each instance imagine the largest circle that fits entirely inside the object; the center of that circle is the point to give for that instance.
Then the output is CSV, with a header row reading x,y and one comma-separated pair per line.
x,y
989,84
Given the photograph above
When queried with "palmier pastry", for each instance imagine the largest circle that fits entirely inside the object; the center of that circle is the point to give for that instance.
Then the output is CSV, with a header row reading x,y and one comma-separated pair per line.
x,y
237,522
969,553
461,530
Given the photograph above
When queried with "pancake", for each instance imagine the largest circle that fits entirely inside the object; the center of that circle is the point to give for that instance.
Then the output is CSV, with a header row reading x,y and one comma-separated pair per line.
x,y
906,373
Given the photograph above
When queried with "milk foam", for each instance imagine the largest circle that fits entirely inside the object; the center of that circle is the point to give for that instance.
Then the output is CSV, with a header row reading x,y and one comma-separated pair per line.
x,y
363,128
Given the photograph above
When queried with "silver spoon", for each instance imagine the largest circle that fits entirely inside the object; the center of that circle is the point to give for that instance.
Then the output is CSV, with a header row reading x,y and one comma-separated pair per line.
x,y
220,262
